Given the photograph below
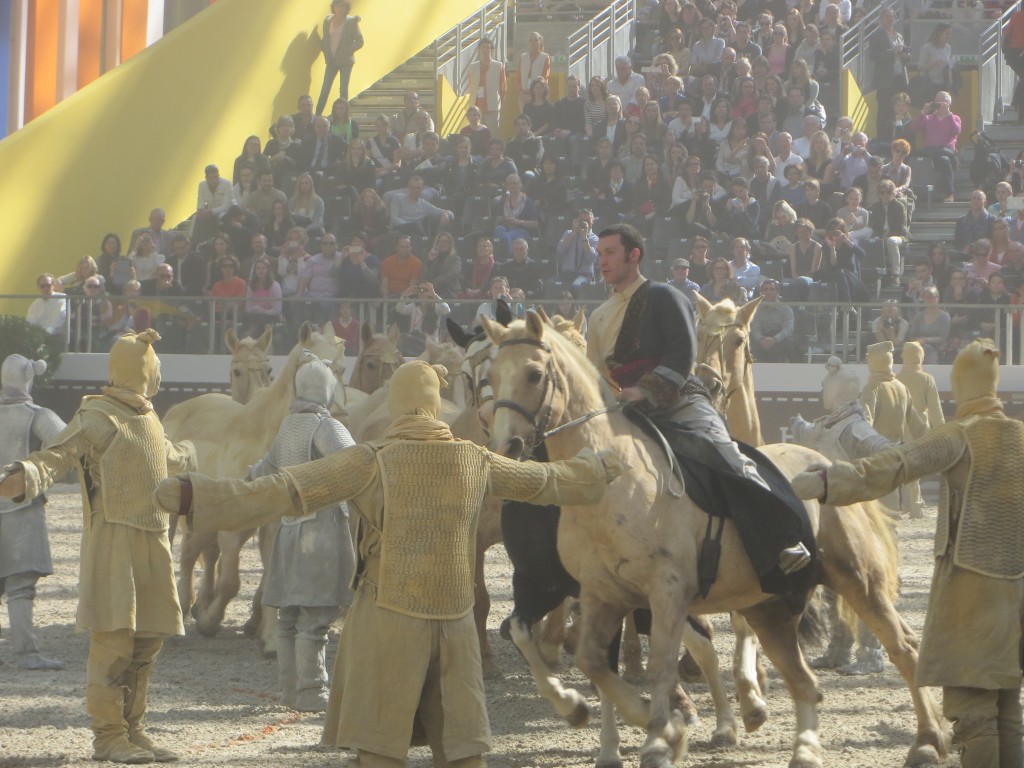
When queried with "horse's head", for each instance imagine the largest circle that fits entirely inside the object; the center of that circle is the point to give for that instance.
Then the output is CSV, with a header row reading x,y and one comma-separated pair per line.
x,y
530,391
250,364
378,359
330,349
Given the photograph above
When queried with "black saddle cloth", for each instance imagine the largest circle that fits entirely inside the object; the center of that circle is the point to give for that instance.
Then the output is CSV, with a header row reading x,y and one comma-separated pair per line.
x,y
766,522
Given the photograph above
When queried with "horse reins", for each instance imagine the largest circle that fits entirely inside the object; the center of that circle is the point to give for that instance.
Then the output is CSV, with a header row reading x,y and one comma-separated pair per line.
x,y
719,334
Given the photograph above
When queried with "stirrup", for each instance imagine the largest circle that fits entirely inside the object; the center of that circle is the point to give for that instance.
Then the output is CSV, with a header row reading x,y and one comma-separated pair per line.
x,y
795,558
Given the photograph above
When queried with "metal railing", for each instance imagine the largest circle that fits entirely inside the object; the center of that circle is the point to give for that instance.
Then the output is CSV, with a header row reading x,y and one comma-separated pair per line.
x,y
996,80
455,50
197,325
593,47
853,47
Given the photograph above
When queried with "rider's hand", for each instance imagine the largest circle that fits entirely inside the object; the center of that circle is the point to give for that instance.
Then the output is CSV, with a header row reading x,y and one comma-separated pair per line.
x,y
12,482
632,395
812,484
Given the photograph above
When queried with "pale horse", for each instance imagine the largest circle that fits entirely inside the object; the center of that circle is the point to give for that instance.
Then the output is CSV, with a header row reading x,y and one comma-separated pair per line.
x,y
229,438
637,549
250,363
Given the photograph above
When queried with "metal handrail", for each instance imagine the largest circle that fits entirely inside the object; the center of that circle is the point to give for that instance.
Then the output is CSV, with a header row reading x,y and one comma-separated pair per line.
x,y
991,46
854,42
455,49
601,30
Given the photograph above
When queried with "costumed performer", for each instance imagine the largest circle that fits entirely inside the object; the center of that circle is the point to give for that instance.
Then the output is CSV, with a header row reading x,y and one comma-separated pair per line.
x,y
924,394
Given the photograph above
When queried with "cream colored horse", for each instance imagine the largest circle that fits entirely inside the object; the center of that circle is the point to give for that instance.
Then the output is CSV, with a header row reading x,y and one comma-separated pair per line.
x,y
250,363
229,437
639,546
378,359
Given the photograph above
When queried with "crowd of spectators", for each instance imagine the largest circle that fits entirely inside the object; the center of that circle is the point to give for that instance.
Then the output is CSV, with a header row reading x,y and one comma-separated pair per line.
x,y
728,151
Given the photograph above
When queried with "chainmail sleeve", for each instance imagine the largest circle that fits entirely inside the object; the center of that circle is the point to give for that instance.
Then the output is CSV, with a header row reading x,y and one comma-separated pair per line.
x,y
575,481
47,426
331,436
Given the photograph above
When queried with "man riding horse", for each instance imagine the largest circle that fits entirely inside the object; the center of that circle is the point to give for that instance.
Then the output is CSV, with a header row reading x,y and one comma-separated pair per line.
x,y
643,339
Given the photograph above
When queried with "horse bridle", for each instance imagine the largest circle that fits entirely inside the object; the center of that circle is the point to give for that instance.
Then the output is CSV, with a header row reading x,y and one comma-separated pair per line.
x,y
541,417
739,377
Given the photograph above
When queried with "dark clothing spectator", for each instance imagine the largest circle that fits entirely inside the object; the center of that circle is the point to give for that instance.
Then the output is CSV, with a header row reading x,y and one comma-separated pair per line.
x,y
971,227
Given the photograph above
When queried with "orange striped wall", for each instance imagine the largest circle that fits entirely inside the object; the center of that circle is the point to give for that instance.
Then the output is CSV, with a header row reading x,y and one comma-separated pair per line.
x,y
90,40
41,75
133,27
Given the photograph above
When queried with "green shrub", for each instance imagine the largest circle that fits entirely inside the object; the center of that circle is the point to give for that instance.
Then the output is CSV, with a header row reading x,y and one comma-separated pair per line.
x,y
19,337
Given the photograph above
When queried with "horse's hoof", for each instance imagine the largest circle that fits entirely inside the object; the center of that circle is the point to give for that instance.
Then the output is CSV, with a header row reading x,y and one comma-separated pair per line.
x,y
921,755
724,739
194,612
689,670
251,629
505,630
207,630
806,756
755,718
616,763
656,759
580,714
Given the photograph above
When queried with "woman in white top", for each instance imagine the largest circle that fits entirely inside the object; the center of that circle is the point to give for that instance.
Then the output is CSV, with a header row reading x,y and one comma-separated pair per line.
x,y
936,54
306,202
734,151
721,120
809,46
532,64
145,258
855,216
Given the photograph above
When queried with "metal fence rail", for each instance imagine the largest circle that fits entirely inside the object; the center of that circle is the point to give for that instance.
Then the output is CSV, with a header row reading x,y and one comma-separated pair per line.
x,y
455,50
593,47
853,46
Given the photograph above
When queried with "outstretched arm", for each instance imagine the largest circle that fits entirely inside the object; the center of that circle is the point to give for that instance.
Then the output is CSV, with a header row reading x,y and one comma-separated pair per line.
x,y
575,481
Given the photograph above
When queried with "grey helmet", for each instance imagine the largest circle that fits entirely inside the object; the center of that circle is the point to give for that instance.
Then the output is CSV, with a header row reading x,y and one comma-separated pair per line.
x,y
314,380
18,372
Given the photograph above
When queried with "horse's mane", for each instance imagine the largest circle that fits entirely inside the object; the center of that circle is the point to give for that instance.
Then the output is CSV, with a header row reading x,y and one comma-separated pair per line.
x,y
722,315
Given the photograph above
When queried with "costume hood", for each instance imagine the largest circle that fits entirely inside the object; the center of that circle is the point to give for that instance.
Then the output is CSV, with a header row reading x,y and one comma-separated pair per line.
x,y
880,357
415,389
913,356
975,371
840,388
18,372
314,381
133,363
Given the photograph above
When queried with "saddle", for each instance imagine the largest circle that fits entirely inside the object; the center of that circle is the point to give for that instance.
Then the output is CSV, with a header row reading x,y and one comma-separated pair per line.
x,y
766,522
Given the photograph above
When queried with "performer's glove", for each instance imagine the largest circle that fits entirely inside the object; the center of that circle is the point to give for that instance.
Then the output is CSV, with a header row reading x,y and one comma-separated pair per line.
x,y
612,464
812,484
12,482
174,495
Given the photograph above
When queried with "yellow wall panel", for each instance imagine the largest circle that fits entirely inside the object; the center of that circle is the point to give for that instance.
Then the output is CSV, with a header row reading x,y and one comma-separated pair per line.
x,y
139,136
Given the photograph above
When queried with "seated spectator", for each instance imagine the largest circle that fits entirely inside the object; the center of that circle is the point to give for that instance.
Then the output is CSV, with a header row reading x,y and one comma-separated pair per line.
x,y
598,171
741,216
342,124
370,215
839,263
405,121
216,196
410,213
263,300
979,268
161,236
261,202
721,285
442,267
50,310
281,149
594,108
303,119
888,222
800,76
625,82
317,280
814,208
744,271
358,171
425,310
240,227
897,171
687,181
868,183
734,152
412,144
495,168
930,327
384,148
431,164
346,327
477,275
576,252
539,110
1013,270
719,127
321,150
808,126
771,329
1000,240
764,188
614,200
680,280
975,224
568,120
145,260
996,295
778,53
633,160
941,129
252,154
548,189
820,164
807,49
189,269
289,266
827,70
280,225
498,291
1004,191
702,212
400,270
652,196
853,162
780,233
890,324
962,322
744,100
700,267
306,205
518,216
805,253
689,130
654,128
792,192
613,126
479,135
938,255
794,113
786,156
855,215
706,50
521,271
356,270
74,282
95,316
228,289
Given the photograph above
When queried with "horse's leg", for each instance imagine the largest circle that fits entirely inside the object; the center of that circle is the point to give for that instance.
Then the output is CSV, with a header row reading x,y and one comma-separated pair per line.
x,y
609,756
699,644
666,731
632,651
228,581
481,609
776,626
552,634
568,703
753,708
208,586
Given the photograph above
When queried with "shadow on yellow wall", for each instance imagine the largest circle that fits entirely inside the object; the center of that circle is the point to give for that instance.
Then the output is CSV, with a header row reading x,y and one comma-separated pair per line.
x,y
138,137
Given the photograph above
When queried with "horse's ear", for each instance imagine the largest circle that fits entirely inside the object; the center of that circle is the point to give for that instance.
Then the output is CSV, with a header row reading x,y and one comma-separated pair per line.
x,y
534,324
394,333
579,320
457,332
431,351
746,313
703,305
502,313
495,331
306,333
266,338
231,340
366,333
543,315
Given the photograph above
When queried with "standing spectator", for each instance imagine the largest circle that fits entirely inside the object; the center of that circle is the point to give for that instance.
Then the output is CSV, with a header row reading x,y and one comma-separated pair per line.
x,y
975,224
888,222
24,544
518,215
889,52
487,85
357,271
399,270
941,129
317,281
533,64
625,82
934,63
50,310
409,212
771,330
576,253
339,40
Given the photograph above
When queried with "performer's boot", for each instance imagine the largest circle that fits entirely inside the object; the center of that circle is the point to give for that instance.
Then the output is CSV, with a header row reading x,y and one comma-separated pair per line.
x,y
26,645
286,668
311,674
135,701
366,759
110,730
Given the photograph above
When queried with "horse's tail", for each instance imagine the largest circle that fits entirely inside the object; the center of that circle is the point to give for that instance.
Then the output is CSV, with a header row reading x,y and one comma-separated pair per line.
x,y
883,544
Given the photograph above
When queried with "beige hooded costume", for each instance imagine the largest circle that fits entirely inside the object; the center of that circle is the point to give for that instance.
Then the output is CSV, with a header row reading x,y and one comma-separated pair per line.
x,y
127,596
409,650
971,644
925,397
